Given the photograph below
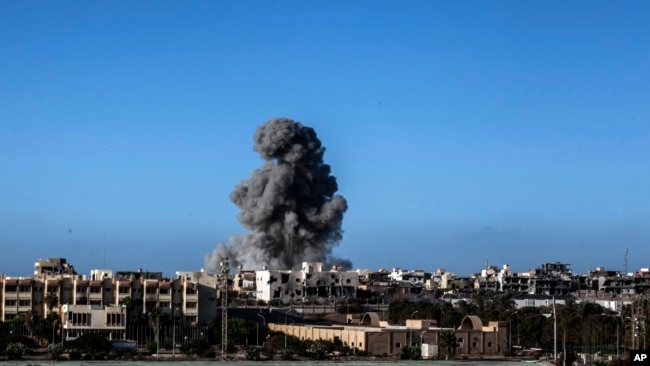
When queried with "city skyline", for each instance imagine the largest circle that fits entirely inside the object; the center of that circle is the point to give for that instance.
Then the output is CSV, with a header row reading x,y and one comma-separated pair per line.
x,y
459,133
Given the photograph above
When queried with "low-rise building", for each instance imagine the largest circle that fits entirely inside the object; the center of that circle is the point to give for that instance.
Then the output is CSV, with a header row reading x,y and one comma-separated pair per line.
x,y
78,320
379,338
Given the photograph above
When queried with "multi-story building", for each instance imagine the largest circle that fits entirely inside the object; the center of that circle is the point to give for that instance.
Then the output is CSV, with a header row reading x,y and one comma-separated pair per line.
x,y
311,283
190,297
200,291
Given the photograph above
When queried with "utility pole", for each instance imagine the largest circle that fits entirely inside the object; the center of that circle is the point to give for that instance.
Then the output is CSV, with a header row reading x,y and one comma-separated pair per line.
x,y
224,270
554,332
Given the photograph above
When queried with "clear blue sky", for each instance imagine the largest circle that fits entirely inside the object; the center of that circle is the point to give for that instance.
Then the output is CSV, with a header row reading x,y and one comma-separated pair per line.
x,y
509,131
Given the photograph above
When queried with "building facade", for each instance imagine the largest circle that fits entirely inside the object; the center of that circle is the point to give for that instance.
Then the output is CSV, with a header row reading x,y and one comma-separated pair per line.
x,y
310,283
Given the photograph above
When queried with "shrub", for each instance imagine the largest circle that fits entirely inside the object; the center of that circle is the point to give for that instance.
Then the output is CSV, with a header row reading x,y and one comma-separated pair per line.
x,y
16,351
317,351
75,355
410,353
287,354
208,353
151,347
253,354
55,351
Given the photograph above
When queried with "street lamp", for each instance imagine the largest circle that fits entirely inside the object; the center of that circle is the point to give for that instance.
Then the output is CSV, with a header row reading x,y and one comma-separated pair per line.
x,y
258,328
285,325
411,330
510,329
174,332
574,315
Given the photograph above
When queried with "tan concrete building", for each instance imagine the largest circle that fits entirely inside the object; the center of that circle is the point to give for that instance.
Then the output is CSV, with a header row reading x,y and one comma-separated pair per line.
x,y
191,296
84,319
379,338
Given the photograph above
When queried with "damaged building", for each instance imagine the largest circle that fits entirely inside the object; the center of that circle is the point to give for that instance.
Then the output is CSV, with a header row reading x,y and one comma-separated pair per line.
x,y
310,283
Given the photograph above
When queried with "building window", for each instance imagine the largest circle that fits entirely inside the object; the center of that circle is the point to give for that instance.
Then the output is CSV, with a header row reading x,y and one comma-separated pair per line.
x,y
11,288
489,344
79,318
95,290
10,302
397,345
152,290
124,290
81,289
191,305
25,288
113,319
24,303
164,291
474,344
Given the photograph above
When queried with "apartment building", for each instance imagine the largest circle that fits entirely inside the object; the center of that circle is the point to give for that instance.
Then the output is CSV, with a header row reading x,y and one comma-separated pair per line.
x,y
201,296
190,297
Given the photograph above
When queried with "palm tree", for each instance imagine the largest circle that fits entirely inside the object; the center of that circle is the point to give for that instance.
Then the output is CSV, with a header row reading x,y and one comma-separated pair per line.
x,y
127,302
52,320
505,305
30,319
155,315
50,299
448,344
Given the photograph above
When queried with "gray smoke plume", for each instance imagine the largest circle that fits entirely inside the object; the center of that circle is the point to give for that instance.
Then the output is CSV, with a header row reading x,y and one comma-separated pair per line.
x,y
289,204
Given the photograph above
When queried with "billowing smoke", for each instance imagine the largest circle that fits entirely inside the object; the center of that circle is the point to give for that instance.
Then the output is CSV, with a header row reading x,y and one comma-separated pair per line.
x,y
289,204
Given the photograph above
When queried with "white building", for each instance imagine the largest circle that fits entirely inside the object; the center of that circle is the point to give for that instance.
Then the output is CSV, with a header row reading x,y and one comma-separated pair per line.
x,y
311,283
85,319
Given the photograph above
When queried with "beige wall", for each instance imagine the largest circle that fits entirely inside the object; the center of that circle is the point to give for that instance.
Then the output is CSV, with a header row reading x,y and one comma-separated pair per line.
x,y
391,341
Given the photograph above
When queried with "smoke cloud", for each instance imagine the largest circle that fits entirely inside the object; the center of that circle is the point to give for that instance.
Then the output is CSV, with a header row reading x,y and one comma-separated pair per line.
x,y
289,205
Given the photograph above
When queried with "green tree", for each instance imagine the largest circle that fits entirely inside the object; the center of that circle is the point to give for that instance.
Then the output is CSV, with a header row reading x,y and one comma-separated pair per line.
x,y
448,344
240,332
317,351
92,344
530,327
154,317
51,299
128,304
30,318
